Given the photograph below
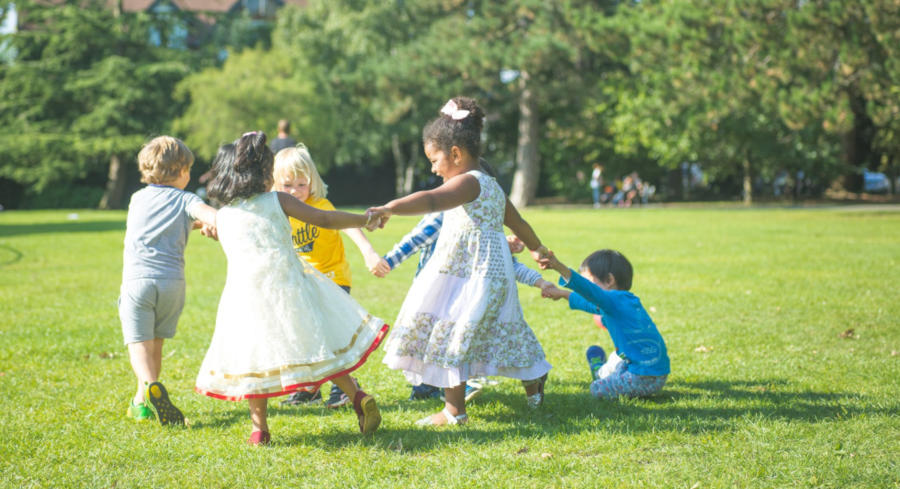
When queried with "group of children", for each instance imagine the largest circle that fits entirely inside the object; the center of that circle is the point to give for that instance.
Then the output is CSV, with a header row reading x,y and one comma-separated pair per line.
x,y
285,325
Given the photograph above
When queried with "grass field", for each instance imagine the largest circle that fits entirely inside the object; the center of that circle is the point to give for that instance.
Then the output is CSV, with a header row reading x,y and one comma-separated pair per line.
x,y
783,328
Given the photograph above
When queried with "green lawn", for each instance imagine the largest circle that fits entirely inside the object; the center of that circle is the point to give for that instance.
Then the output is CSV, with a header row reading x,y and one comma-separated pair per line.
x,y
765,390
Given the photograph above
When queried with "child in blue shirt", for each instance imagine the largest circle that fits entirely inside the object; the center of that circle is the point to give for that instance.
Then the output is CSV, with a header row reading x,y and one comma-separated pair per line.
x,y
640,365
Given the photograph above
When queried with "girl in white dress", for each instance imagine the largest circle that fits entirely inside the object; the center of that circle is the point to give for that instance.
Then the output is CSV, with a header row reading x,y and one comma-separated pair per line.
x,y
281,324
462,318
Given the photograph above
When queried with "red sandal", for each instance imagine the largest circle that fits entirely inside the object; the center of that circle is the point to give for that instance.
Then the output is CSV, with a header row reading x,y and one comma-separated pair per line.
x,y
259,438
367,412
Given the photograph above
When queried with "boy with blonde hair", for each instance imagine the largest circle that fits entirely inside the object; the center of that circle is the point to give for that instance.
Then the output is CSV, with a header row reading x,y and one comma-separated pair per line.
x,y
160,217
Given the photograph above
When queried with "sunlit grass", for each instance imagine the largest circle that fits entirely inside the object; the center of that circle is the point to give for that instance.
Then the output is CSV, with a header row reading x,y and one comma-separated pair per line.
x,y
769,387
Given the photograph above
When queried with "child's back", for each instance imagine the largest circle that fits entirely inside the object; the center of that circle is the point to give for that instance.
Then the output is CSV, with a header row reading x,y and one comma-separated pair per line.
x,y
269,293
160,218
157,229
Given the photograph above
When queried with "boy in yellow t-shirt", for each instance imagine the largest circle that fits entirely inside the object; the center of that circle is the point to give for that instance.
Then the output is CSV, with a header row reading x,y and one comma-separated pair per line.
x,y
295,173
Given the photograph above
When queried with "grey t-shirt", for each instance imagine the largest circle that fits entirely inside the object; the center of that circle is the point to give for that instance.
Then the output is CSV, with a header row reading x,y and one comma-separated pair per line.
x,y
159,221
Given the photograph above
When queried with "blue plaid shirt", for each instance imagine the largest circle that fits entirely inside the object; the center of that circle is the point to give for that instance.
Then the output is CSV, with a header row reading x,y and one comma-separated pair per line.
x,y
423,237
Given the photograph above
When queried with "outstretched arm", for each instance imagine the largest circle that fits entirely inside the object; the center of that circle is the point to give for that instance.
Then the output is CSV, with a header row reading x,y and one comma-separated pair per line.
x,y
205,219
426,232
369,254
520,227
553,262
457,191
326,219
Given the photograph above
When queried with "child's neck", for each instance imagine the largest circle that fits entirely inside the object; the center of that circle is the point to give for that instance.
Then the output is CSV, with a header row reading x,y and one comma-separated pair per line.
x,y
468,165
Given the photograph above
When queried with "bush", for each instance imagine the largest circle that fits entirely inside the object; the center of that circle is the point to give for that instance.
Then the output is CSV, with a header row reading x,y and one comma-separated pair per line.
x,y
63,197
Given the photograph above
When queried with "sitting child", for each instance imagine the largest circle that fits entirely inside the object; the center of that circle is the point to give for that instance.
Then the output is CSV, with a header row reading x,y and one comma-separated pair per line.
x,y
640,365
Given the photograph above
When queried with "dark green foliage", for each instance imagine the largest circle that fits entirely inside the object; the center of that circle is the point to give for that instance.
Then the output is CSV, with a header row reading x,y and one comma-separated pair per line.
x,y
747,89
86,84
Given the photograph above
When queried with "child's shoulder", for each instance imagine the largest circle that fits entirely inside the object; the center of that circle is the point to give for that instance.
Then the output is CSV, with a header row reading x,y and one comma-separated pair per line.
x,y
320,203
160,194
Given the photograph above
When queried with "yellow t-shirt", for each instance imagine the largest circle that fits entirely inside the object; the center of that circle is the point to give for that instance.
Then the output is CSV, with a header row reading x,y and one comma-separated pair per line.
x,y
322,248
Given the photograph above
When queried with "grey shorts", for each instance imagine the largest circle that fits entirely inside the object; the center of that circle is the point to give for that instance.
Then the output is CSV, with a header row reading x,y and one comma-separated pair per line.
x,y
149,308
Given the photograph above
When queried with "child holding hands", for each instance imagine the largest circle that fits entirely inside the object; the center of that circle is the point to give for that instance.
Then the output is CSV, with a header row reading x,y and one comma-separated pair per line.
x,y
462,318
281,324
160,217
295,173
640,365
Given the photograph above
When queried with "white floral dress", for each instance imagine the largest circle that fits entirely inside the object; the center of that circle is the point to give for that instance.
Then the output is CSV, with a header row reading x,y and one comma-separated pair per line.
x,y
462,317
281,325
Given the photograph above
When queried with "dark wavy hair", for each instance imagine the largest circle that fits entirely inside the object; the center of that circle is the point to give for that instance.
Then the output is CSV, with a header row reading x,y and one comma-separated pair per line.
x,y
446,132
602,263
244,170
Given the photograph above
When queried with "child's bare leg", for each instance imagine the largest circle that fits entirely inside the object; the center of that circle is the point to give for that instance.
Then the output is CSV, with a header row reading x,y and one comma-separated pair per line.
x,y
258,408
454,404
363,404
455,399
146,362
347,385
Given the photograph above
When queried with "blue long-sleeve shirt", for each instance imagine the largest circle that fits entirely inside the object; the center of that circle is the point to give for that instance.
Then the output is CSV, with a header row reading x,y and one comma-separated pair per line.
x,y
633,332
424,237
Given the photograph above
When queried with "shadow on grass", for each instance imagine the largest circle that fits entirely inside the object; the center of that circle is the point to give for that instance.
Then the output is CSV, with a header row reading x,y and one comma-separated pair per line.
x,y
9,255
691,407
9,230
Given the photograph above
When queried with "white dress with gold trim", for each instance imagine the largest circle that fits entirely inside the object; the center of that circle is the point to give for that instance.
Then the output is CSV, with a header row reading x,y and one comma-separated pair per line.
x,y
281,325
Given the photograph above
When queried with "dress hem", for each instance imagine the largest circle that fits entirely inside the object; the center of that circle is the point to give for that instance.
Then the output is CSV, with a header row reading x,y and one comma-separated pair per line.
x,y
379,337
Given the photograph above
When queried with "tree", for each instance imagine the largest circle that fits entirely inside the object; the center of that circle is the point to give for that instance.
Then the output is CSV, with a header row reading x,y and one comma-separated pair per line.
x,y
366,60
706,86
252,91
84,91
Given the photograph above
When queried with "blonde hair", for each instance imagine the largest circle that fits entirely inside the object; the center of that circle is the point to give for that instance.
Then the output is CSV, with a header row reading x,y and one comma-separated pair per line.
x,y
294,162
163,159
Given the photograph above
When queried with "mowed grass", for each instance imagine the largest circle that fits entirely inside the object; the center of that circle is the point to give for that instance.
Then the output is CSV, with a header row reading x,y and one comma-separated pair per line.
x,y
769,385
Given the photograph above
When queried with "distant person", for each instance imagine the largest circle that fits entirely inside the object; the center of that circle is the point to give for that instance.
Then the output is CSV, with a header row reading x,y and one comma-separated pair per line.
x,y
160,217
284,139
625,196
640,365
596,183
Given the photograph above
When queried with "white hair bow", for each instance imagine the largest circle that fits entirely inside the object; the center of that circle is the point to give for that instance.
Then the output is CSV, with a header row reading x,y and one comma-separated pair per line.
x,y
451,109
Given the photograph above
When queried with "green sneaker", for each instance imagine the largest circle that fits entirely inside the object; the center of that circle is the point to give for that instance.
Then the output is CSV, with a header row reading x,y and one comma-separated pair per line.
x,y
166,412
140,412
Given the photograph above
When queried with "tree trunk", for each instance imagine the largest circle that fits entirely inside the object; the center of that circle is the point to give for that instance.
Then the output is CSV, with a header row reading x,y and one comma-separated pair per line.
x,y
410,178
404,170
115,184
524,186
748,182
891,172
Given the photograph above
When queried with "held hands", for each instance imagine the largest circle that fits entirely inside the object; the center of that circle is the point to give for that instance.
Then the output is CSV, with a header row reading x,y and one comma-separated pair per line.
x,y
543,256
381,268
209,231
377,217
550,291
516,245
555,293
372,258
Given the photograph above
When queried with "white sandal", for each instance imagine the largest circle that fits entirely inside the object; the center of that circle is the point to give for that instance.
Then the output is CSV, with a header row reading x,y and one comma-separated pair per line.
x,y
451,419
536,400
